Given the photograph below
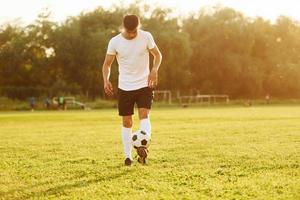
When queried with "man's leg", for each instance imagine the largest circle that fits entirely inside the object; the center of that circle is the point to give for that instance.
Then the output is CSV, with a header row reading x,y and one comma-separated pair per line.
x,y
126,108
145,124
126,138
144,101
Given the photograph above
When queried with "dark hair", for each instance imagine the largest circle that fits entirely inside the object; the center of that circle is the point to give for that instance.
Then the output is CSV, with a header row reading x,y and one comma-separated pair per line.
x,y
131,22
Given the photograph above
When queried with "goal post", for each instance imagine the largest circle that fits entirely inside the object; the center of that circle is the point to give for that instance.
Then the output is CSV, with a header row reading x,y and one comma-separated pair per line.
x,y
163,95
201,98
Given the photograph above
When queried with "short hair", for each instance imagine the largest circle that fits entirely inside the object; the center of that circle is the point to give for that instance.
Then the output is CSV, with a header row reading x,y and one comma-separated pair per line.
x,y
131,22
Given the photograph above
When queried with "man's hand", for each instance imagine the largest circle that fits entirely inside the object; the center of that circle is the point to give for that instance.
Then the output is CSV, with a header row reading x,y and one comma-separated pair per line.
x,y
108,89
152,78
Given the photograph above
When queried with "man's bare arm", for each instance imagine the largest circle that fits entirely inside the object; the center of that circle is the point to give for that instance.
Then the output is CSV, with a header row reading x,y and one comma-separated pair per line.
x,y
157,58
109,59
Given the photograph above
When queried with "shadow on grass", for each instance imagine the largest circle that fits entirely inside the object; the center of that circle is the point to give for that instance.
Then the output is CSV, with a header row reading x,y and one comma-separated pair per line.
x,y
61,189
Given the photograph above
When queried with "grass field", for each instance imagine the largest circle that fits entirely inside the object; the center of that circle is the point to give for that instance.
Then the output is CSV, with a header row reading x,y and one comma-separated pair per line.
x,y
196,153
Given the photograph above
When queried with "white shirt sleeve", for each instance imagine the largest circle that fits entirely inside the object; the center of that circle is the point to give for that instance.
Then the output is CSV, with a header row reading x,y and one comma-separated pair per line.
x,y
150,43
111,50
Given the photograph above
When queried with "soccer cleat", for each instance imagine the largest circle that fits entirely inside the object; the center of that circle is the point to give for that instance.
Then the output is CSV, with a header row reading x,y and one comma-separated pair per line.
x,y
128,162
143,153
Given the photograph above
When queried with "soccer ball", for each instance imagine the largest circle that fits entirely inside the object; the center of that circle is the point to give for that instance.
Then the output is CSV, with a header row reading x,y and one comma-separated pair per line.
x,y
140,139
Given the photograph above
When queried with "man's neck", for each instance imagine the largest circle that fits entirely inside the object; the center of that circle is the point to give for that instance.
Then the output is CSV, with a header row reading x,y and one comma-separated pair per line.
x,y
126,36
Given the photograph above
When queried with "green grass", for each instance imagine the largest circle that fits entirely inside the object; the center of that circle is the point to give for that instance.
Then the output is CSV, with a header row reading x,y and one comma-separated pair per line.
x,y
196,153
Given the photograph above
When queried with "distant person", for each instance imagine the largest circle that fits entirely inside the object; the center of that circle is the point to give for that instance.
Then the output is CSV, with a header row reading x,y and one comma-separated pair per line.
x,y
61,102
64,104
32,103
131,47
267,98
47,103
248,103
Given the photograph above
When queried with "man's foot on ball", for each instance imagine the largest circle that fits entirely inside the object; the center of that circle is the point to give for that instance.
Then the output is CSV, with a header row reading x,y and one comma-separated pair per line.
x,y
143,153
128,162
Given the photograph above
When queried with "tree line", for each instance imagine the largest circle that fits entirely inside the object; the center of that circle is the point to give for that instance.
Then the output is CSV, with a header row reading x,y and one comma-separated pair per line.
x,y
211,52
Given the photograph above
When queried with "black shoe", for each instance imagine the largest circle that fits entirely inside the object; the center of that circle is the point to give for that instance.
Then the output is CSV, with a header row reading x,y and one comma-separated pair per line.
x,y
143,153
128,162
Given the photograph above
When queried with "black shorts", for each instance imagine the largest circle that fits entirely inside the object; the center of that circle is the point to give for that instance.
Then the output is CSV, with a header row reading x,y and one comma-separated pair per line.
x,y
126,99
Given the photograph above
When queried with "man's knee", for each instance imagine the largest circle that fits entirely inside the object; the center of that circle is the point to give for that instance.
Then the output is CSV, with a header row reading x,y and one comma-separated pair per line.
x,y
143,113
127,122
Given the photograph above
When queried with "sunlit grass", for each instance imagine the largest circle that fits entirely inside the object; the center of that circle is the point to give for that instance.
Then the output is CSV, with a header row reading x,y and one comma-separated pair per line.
x,y
208,153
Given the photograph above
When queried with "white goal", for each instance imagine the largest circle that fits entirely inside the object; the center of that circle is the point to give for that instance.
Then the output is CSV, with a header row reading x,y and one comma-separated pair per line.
x,y
163,96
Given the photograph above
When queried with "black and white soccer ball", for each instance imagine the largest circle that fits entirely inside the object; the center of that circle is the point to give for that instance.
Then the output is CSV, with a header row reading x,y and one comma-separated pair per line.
x,y
140,139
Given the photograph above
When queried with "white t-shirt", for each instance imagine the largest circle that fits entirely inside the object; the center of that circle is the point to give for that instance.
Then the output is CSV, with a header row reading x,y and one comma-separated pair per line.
x,y
133,59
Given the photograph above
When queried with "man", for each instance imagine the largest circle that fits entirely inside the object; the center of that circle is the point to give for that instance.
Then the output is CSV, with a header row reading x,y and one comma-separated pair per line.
x,y
32,103
61,103
47,103
136,83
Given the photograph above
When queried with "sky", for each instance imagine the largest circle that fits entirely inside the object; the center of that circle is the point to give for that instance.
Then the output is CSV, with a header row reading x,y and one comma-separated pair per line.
x,y
26,11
